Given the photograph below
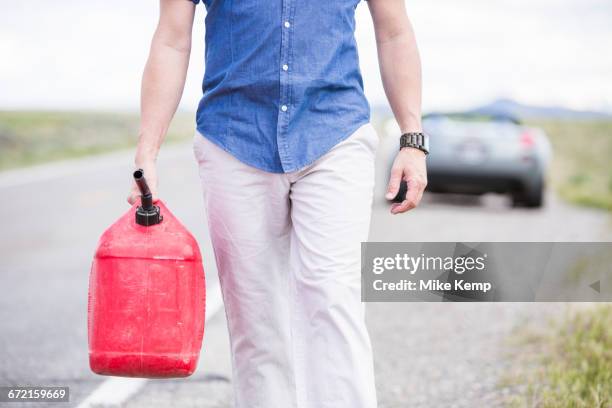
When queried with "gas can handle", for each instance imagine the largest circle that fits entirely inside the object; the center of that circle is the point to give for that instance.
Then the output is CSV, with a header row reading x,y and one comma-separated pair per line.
x,y
147,214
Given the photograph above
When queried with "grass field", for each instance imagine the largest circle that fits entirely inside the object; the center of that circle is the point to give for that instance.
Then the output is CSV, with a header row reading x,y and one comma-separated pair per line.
x,y
566,365
581,171
28,138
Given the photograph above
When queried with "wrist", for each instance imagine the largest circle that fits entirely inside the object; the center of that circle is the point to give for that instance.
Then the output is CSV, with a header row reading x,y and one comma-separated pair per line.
x,y
413,125
145,154
149,142
411,129
144,158
412,150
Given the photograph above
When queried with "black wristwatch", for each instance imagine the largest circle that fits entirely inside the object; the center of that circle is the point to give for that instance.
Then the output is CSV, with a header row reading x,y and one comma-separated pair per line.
x,y
417,140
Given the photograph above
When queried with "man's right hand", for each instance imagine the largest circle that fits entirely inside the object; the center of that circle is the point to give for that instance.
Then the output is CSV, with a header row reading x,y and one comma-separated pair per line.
x,y
150,174
163,81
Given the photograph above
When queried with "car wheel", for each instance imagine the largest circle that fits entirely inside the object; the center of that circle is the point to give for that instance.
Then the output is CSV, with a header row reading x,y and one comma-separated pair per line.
x,y
532,197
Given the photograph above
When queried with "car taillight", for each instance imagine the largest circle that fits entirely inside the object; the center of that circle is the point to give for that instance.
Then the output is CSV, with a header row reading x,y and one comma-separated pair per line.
x,y
527,140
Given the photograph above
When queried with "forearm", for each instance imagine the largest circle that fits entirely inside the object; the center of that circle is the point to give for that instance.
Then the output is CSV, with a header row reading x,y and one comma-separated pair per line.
x,y
162,87
400,68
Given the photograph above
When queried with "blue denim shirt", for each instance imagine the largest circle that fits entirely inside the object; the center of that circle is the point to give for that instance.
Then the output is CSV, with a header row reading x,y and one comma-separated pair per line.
x,y
282,83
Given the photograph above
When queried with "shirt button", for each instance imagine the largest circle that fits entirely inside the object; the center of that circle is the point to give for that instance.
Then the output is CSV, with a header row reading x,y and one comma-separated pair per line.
x,y
287,25
285,67
284,108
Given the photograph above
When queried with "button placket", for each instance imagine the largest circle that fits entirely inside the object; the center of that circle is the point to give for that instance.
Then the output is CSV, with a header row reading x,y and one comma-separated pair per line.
x,y
284,102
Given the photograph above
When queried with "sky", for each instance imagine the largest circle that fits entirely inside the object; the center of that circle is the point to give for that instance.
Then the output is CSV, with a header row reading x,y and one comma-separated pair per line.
x,y
74,54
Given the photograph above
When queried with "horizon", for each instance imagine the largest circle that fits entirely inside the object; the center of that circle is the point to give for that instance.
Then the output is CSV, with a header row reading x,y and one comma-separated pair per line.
x,y
376,108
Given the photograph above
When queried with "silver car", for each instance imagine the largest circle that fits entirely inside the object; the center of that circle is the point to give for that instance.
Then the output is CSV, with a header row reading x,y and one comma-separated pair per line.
x,y
475,154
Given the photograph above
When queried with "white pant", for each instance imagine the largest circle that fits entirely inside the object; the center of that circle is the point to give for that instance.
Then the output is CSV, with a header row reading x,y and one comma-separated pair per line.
x,y
287,248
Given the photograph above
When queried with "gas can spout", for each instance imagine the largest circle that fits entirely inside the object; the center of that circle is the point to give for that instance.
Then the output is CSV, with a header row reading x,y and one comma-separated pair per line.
x,y
146,196
146,214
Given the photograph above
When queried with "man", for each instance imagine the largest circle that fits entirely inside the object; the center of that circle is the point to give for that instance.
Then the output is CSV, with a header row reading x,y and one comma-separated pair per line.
x,y
286,157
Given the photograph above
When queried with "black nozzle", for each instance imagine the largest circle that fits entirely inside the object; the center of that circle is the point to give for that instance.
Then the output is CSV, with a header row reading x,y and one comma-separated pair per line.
x,y
146,214
146,197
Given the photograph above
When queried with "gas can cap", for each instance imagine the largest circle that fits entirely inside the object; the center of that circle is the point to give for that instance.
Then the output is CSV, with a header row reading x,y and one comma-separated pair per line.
x,y
147,214
148,217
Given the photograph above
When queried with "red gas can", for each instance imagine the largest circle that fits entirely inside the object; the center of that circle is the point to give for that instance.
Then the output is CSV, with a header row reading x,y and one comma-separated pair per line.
x,y
146,295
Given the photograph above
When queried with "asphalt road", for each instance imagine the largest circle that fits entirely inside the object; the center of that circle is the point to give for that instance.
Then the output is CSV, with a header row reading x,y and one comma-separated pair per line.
x,y
49,227
446,355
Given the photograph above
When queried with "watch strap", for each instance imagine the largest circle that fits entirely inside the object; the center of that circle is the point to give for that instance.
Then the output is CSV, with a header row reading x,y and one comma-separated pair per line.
x,y
415,140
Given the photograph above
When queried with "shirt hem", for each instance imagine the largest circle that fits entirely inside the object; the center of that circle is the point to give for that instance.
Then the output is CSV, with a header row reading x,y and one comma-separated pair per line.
x,y
292,169
244,160
344,136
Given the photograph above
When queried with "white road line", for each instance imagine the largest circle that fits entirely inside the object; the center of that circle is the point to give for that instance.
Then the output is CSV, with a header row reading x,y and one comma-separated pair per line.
x,y
115,391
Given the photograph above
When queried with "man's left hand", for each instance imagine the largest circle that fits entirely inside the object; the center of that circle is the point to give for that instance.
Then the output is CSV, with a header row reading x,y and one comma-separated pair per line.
x,y
409,165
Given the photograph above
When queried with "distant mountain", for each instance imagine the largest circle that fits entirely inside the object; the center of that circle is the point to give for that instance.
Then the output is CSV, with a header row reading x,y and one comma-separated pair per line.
x,y
509,107
522,111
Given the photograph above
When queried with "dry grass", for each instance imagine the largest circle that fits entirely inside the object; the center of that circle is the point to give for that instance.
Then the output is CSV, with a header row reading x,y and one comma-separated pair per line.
x,y
566,365
28,138
582,165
